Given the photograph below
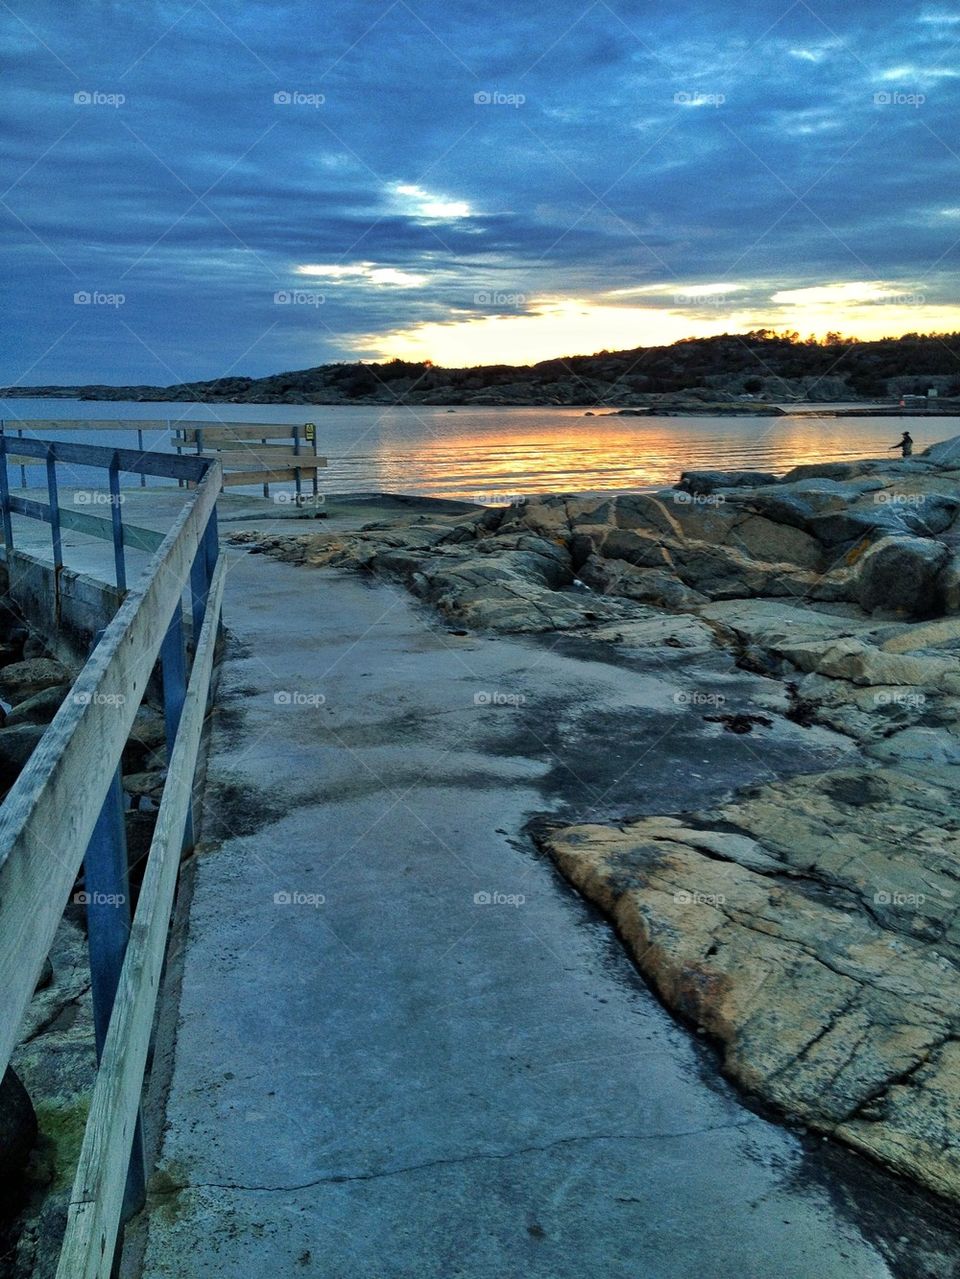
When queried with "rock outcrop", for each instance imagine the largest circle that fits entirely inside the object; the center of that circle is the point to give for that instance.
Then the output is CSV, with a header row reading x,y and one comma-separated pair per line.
x,y
811,928
878,536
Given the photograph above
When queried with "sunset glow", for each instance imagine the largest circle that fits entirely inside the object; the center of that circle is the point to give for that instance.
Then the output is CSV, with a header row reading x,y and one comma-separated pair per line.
x,y
552,327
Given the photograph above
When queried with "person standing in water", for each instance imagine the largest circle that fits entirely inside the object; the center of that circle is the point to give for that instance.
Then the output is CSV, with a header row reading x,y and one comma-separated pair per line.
x,y
904,444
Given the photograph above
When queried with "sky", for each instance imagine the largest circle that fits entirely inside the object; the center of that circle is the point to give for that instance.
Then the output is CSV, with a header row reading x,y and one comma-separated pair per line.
x,y
195,190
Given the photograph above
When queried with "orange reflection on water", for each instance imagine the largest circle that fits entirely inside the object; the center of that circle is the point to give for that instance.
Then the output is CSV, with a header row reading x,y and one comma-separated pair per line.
x,y
481,454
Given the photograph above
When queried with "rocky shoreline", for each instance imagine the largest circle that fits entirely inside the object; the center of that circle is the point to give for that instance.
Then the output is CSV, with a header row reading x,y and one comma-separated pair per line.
x,y
729,373
809,924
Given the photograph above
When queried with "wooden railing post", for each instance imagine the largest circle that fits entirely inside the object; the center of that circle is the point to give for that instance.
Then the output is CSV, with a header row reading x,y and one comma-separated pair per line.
x,y
311,430
211,545
117,517
199,586
211,542
298,473
5,494
173,666
54,509
107,900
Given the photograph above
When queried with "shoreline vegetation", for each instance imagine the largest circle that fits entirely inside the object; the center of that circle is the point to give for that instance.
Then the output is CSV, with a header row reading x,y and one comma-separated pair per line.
x,y
807,924
755,373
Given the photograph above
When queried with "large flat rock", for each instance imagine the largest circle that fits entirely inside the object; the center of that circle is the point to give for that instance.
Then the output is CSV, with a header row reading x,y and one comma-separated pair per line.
x,y
810,926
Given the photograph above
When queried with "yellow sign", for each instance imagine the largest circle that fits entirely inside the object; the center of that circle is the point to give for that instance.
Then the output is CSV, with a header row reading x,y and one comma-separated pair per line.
x,y
309,431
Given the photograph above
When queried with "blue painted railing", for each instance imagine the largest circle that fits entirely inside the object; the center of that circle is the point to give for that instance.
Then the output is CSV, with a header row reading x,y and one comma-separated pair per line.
x,y
113,460
66,808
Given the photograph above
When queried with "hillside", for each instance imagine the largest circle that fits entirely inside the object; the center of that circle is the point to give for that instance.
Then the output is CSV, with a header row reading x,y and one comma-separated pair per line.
x,y
762,365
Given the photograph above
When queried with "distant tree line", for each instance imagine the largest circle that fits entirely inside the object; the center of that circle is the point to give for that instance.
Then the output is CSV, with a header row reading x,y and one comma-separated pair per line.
x,y
763,363
867,366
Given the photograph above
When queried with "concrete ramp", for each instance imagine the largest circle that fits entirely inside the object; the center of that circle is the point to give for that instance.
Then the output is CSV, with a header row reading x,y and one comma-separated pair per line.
x,y
404,1046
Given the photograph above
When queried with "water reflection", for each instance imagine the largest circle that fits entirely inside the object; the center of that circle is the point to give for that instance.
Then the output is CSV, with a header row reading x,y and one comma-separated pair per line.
x,y
514,454
489,453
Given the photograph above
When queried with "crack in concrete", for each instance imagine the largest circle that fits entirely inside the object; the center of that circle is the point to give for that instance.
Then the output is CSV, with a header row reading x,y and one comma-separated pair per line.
x,y
340,1178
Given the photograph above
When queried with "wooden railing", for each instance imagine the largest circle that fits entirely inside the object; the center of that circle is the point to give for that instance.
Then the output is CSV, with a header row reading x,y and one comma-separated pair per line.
x,y
66,811
255,453
249,452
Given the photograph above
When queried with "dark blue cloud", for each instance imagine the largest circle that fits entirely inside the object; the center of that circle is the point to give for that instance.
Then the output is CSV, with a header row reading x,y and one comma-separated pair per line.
x,y
598,146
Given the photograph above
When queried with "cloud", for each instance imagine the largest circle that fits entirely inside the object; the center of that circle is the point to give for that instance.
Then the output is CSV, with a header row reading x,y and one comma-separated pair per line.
x,y
839,294
367,271
200,196
426,205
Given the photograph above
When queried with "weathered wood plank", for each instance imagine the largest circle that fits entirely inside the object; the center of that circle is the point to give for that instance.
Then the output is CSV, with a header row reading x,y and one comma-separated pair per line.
x,y
231,479
147,462
49,814
11,425
140,539
94,1211
129,424
266,454
229,432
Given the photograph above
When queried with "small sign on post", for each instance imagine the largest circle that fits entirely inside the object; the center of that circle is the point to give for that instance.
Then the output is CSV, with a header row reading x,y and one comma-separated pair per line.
x,y
310,431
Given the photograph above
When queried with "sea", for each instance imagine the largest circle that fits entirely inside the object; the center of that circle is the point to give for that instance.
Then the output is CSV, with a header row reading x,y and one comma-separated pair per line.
x,y
491,455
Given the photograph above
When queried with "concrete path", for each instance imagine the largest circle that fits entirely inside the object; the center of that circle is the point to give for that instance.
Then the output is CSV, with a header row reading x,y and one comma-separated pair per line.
x,y
405,1047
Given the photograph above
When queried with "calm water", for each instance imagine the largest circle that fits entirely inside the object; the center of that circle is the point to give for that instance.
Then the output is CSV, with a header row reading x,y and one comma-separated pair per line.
x,y
490,453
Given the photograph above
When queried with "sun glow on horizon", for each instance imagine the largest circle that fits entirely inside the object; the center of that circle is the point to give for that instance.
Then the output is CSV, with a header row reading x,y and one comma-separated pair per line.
x,y
550,328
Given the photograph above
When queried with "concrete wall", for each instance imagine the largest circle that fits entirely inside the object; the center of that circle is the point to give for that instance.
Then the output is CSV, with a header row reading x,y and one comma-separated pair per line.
x,y
66,608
